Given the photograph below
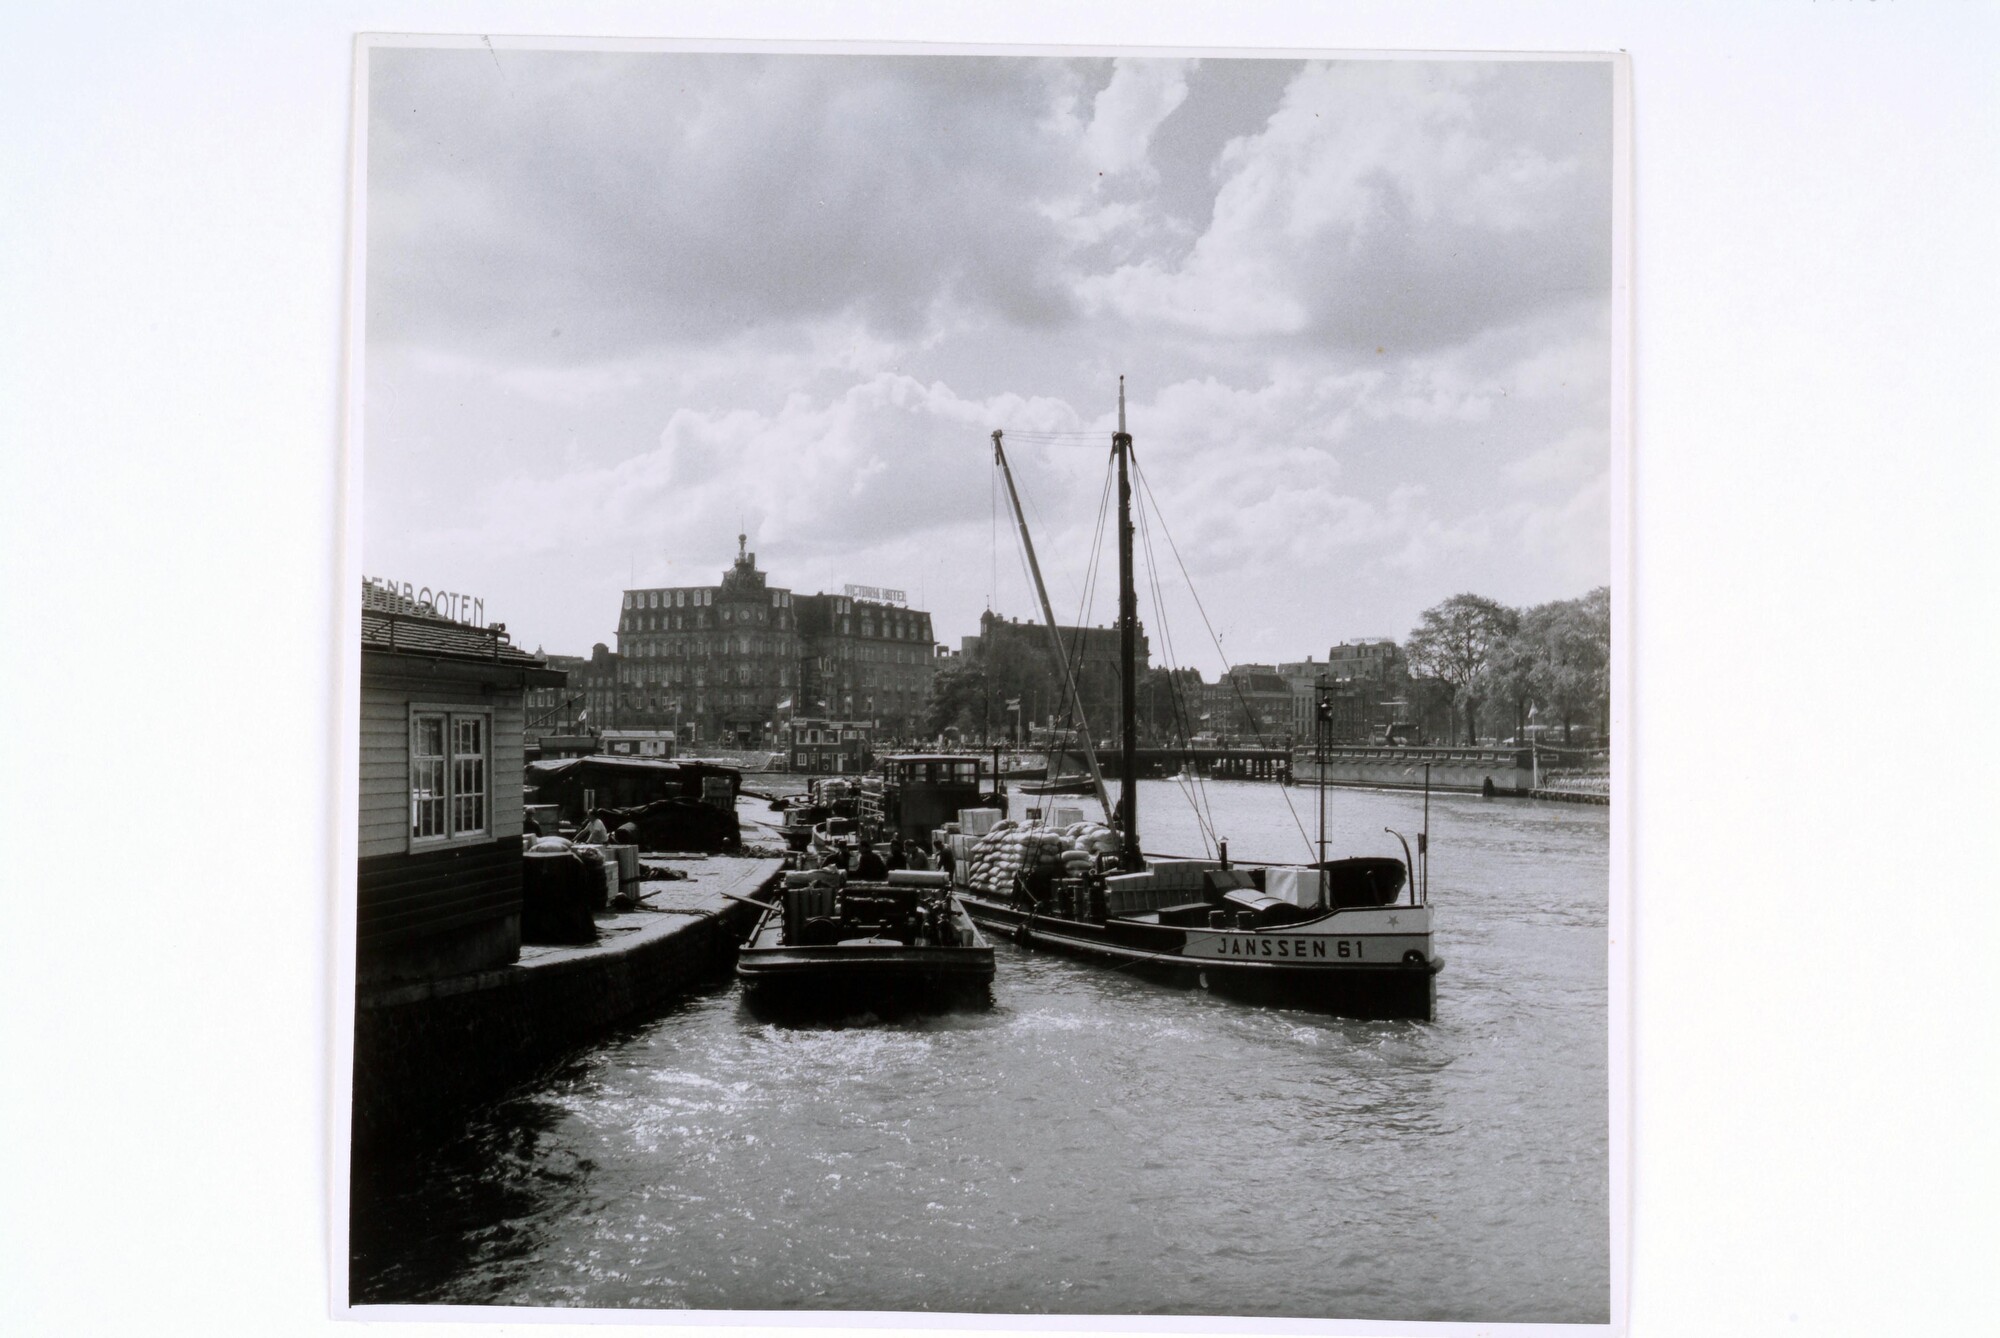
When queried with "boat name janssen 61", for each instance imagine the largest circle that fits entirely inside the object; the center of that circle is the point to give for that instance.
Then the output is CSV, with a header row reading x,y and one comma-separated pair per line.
x,y
1291,947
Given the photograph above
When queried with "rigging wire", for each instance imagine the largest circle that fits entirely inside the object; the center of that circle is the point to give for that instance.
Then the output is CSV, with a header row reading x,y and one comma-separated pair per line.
x,y
1195,787
1196,792
1199,608
1073,656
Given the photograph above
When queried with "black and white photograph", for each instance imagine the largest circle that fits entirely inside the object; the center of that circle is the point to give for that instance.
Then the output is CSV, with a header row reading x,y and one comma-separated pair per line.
x,y
1087,668
986,682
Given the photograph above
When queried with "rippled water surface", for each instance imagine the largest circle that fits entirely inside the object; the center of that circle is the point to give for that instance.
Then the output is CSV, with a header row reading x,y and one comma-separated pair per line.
x,y
1093,1143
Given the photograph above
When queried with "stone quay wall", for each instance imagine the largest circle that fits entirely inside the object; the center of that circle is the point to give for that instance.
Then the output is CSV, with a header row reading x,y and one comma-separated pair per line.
x,y
426,1054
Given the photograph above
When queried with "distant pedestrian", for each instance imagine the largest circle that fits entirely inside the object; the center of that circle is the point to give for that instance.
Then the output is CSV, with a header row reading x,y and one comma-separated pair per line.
x,y
899,856
869,867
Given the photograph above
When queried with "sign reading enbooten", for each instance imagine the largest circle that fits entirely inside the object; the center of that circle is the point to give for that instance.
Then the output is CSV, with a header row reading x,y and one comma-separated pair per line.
x,y
402,597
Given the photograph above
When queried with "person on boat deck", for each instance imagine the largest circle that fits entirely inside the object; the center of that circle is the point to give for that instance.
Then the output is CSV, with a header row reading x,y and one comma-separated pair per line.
x,y
868,865
899,856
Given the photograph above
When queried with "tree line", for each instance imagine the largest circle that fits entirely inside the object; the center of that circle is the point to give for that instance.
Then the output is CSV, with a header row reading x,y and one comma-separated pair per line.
x,y
1491,666
1475,669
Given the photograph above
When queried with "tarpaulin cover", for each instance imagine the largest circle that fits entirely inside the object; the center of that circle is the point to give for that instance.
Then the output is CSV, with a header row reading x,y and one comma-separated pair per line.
x,y
676,824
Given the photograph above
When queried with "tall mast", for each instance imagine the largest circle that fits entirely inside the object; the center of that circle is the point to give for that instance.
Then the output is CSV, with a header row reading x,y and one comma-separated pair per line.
x,y
1055,637
1128,649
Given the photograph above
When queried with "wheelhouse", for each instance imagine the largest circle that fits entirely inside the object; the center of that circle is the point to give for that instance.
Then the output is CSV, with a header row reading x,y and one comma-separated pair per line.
x,y
914,794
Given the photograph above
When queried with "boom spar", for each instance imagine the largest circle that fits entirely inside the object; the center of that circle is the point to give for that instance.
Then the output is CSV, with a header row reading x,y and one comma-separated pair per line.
x,y
1055,638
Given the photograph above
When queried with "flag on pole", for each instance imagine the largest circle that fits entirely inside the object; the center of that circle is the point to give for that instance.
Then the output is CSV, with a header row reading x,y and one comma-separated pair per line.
x,y
1013,703
785,705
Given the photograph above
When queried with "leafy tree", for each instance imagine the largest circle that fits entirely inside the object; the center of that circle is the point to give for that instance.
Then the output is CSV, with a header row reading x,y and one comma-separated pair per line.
x,y
1430,707
1508,683
1455,643
958,698
1571,641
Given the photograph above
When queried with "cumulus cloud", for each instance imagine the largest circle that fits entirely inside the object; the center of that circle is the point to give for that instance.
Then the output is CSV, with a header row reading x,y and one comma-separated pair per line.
x,y
621,305
1141,94
582,204
1391,204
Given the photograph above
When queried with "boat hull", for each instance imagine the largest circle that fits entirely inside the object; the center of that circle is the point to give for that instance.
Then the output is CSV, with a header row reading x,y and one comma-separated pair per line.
x,y
851,978
1365,974
1067,785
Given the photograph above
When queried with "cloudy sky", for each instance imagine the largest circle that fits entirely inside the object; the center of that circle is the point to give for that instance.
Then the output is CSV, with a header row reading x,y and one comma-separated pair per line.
x,y
619,305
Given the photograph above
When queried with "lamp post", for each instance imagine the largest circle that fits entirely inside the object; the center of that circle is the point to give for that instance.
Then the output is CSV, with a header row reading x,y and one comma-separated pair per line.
x,y
1322,728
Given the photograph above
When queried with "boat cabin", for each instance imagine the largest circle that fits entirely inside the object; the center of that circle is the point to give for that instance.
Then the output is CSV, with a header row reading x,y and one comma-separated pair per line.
x,y
914,794
658,743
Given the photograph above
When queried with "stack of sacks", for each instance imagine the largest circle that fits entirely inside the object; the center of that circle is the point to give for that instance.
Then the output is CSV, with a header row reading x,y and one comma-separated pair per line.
x,y
994,860
1009,852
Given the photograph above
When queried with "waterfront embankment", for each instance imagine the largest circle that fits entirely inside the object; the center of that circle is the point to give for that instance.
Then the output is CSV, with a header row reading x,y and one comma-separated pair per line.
x,y
1092,1143
427,1052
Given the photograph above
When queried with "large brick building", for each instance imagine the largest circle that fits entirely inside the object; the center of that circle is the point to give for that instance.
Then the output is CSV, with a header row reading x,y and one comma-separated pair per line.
x,y
1252,703
729,662
1371,686
865,659
1020,665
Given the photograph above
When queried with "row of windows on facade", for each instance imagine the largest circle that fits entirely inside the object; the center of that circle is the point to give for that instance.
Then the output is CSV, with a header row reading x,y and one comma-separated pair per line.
x,y
707,646
699,597
704,596
758,646
894,629
701,674
643,692
826,733
675,622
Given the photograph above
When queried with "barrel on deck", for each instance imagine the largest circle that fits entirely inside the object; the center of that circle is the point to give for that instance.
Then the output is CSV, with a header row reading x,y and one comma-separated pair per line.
x,y
557,892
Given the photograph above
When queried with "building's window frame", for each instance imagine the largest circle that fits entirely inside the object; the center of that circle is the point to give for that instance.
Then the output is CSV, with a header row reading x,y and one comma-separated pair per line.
x,y
451,766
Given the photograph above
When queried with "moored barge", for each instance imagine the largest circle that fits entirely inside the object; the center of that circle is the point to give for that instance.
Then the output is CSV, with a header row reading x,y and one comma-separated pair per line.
x,y
835,946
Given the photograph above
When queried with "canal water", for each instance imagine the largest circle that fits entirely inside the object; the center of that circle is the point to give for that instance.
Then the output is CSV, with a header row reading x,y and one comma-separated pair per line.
x,y
1094,1143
